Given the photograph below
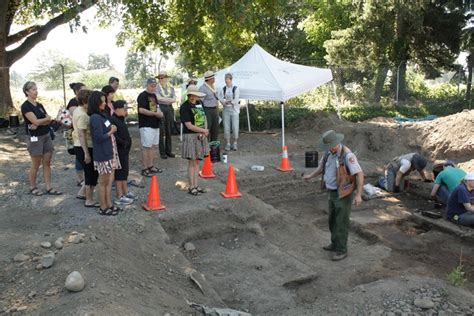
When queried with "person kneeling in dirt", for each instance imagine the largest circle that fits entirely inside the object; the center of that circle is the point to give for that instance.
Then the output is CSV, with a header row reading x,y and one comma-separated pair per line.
x,y
446,181
461,202
399,168
341,176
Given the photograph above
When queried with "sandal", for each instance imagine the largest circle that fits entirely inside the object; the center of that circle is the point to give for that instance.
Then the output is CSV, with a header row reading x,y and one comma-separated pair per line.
x,y
200,190
36,192
146,173
96,204
155,170
193,191
80,197
80,183
53,192
107,212
116,209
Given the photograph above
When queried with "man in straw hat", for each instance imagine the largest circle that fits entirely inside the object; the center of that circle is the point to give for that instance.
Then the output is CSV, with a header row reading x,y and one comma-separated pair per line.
x,y
461,202
211,102
341,176
166,97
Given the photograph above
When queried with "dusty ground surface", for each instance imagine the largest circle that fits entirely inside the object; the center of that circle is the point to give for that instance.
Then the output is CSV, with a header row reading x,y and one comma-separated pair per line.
x,y
249,252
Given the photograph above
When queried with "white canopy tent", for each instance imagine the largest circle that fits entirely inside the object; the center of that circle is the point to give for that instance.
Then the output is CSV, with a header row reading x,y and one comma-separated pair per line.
x,y
261,76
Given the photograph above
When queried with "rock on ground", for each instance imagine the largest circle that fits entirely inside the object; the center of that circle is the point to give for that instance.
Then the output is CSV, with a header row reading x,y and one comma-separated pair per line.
x,y
74,282
21,257
47,260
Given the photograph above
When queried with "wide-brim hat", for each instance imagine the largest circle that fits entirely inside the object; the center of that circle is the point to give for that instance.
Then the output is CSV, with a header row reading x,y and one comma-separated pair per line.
x,y
469,176
419,162
192,89
330,139
208,75
162,73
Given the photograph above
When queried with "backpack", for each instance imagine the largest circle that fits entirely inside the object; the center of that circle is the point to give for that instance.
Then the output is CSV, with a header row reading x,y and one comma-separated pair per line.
x,y
233,91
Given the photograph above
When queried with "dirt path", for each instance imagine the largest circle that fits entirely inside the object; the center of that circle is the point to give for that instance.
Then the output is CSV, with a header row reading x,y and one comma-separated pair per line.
x,y
260,254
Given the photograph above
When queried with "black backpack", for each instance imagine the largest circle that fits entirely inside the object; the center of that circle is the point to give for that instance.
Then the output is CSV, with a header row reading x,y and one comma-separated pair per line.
x,y
233,91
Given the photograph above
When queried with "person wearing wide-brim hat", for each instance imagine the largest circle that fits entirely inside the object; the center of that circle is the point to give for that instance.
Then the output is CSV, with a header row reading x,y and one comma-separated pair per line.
x,y
166,97
211,104
460,209
195,146
399,168
343,177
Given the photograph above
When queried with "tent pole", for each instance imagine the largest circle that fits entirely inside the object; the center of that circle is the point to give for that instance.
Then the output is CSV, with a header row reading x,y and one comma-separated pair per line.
x,y
248,116
282,124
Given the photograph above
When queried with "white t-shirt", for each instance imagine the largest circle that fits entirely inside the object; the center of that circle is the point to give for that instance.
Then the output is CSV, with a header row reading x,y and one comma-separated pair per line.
x,y
405,165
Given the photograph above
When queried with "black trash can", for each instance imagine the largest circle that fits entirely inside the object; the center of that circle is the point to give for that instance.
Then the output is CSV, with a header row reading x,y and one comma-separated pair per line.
x,y
215,151
311,159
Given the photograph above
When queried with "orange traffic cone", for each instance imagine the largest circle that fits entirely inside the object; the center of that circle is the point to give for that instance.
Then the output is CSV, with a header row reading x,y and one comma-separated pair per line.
x,y
231,190
153,203
285,165
206,171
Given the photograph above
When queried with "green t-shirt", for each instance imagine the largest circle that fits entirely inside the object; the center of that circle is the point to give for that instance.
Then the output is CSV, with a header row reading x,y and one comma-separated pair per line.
x,y
450,177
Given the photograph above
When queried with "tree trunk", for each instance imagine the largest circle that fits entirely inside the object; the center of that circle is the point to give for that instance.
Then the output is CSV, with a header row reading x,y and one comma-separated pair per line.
x,y
469,76
6,103
379,83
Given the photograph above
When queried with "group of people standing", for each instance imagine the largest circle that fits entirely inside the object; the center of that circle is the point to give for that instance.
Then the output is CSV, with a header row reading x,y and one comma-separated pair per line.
x,y
102,142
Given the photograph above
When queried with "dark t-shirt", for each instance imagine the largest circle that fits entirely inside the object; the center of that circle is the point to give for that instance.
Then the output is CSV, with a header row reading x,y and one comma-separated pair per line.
x,y
149,102
458,197
40,113
72,102
193,113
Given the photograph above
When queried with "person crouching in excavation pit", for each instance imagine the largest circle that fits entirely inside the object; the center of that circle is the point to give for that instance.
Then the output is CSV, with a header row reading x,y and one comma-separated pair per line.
x,y
399,168
343,177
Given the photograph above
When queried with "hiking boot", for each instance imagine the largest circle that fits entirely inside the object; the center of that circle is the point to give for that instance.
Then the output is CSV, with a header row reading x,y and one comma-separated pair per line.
x,y
329,247
338,256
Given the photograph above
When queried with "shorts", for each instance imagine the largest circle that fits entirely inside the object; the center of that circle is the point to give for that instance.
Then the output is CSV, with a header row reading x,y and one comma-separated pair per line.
x,y
122,174
149,136
42,146
90,174
195,147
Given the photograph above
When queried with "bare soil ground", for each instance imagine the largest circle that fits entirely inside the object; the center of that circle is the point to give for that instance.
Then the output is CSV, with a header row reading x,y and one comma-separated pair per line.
x,y
260,254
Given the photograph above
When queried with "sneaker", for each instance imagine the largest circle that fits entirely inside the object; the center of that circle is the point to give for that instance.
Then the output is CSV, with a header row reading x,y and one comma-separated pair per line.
x,y
338,256
234,147
123,201
329,247
130,195
164,156
171,155
227,147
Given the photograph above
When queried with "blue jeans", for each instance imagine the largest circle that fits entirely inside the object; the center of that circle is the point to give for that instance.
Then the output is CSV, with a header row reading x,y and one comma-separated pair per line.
x,y
443,194
231,120
466,219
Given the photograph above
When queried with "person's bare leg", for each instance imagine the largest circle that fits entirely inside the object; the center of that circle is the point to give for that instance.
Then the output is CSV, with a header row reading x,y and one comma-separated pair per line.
x,y
195,173
120,188
35,163
47,157
82,191
89,194
103,179
145,158
108,191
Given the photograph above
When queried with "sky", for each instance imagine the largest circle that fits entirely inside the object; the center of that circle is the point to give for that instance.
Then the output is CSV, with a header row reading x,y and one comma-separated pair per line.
x,y
77,45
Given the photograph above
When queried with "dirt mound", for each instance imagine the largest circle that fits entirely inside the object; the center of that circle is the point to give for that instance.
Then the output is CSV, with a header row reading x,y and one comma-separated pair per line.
x,y
449,137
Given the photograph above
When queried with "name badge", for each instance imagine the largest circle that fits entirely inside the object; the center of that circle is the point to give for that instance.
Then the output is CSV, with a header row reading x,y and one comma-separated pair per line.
x,y
33,139
107,123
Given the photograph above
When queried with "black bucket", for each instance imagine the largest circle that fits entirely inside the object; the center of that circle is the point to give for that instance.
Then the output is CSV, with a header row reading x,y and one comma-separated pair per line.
x,y
311,159
14,120
215,151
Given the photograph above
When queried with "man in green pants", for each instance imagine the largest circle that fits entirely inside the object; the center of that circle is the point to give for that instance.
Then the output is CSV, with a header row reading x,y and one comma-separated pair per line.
x,y
343,177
